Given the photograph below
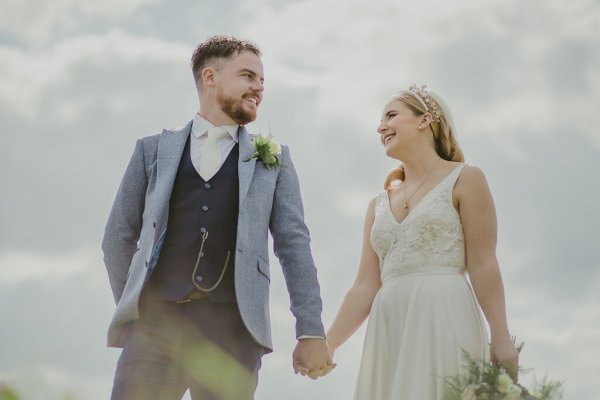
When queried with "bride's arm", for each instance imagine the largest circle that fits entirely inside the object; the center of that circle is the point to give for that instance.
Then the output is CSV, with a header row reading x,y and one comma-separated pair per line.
x,y
357,303
478,216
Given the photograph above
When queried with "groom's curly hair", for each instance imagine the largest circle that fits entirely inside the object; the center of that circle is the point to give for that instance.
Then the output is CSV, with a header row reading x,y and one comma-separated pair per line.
x,y
219,47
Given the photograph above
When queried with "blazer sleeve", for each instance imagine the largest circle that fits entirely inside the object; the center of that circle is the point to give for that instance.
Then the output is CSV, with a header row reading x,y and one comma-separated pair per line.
x,y
291,245
122,232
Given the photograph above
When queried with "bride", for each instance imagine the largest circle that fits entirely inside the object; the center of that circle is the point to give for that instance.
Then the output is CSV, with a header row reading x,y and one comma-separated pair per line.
x,y
421,238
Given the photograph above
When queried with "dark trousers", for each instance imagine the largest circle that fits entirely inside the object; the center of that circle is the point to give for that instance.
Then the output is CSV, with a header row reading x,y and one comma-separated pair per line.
x,y
197,345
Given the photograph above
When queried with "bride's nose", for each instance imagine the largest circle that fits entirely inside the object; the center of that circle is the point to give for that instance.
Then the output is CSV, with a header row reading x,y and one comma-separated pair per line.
x,y
381,129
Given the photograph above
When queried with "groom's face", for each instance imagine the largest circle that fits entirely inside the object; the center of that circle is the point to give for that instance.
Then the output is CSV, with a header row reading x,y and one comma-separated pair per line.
x,y
239,86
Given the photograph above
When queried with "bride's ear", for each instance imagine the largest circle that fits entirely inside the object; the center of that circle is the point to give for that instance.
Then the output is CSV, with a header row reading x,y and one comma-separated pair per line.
x,y
425,120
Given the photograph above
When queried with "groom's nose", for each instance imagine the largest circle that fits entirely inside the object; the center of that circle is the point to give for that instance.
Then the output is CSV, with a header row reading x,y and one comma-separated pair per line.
x,y
258,86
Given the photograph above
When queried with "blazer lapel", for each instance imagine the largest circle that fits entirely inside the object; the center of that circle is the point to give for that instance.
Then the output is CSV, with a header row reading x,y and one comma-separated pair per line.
x,y
170,149
245,168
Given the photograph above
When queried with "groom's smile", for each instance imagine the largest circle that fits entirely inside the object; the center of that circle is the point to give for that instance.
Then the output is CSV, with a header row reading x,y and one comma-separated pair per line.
x,y
252,99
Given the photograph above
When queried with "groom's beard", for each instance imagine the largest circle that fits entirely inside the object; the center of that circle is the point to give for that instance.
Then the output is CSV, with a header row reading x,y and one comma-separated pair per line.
x,y
234,109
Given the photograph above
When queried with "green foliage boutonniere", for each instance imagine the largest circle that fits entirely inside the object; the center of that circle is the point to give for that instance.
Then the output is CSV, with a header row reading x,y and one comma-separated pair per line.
x,y
267,151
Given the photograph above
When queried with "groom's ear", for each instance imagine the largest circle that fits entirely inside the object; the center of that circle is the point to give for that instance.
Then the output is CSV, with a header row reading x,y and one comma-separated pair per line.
x,y
208,76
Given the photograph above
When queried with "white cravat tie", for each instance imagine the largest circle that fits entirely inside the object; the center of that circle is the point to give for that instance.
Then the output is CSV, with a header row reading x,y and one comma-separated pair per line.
x,y
211,159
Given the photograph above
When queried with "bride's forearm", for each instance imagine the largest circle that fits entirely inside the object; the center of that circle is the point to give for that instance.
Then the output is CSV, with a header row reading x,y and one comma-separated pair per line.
x,y
489,290
352,313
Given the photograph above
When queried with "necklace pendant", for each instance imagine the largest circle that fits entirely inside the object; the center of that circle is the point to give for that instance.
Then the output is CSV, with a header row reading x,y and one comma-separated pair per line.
x,y
405,205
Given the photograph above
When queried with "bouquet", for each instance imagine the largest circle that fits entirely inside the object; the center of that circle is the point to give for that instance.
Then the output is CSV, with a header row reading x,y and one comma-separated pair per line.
x,y
487,381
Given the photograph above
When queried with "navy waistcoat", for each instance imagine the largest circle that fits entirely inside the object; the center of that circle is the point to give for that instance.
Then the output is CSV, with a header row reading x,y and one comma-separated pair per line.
x,y
197,207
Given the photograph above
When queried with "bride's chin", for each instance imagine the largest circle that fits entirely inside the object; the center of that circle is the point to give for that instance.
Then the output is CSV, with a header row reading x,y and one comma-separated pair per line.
x,y
392,152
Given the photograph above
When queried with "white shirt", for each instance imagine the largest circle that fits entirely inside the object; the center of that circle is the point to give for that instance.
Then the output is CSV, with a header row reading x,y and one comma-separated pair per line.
x,y
199,134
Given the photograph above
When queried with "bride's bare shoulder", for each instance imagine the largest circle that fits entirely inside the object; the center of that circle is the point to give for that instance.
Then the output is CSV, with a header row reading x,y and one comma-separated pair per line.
x,y
471,179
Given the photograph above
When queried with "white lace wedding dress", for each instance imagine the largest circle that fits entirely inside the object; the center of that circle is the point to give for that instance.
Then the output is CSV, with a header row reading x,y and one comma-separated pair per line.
x,y
425,311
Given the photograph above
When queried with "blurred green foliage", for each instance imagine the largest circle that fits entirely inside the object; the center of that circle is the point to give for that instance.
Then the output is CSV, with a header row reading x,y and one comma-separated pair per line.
x,y
6,393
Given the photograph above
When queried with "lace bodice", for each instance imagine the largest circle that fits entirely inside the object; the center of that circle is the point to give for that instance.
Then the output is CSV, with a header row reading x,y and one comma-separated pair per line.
x,y
429,238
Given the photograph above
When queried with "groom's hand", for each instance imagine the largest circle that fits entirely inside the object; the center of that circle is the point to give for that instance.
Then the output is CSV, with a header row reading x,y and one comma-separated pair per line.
x,y
311,357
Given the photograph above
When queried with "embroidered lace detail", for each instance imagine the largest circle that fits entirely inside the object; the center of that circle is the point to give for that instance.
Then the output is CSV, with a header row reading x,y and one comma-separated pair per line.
x,y
430,237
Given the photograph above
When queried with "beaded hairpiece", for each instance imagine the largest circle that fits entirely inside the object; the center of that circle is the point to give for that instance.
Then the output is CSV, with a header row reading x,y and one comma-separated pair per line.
x,y
426,100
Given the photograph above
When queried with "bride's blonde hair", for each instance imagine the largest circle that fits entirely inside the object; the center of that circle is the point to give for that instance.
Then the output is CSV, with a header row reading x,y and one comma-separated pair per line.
x,y
446,145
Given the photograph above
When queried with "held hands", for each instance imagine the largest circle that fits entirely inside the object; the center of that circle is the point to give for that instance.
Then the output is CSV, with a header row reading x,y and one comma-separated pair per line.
x,y
312,357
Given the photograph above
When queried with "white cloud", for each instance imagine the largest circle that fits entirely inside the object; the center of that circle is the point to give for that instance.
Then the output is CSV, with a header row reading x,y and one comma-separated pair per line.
x,y
38,22
353,56
353,203
25,75
18,267
69,111
350,53
560,340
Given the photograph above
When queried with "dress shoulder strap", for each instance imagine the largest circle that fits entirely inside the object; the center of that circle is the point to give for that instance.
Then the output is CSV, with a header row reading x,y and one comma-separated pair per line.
x,y
451,179
381,202
456,173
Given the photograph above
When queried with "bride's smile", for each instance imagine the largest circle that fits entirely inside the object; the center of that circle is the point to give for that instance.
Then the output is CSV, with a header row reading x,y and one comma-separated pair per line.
x,y
386,138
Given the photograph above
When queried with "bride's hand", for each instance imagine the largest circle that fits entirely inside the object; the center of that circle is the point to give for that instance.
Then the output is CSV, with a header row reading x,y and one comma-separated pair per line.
x,y
504,353
332,347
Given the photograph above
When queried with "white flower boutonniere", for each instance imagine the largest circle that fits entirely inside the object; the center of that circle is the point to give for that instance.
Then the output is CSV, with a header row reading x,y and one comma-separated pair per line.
x,y
267,151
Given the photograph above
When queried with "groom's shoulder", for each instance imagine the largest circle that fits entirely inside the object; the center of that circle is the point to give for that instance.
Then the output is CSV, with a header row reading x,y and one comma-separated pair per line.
x,y
150,143
153,139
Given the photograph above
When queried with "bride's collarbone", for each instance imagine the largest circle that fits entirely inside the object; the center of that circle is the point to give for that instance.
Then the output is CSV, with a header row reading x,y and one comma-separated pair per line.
x,y
399,198
414,194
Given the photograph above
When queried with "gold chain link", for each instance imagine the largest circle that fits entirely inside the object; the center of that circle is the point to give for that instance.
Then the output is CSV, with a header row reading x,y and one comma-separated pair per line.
x,y
203,290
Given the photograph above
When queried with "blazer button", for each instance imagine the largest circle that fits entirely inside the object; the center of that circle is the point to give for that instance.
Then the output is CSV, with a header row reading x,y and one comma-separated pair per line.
x,y
203,230
204,208
207,185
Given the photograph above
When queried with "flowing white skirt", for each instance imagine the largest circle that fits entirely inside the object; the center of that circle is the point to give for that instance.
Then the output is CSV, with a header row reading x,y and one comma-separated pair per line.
x,y
417,328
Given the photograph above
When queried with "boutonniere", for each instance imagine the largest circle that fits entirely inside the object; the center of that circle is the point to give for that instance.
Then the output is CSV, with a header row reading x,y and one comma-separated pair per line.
x,y
267,150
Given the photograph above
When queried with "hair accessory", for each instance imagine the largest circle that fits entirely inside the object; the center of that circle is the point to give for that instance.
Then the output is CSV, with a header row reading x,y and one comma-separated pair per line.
x,y
426,100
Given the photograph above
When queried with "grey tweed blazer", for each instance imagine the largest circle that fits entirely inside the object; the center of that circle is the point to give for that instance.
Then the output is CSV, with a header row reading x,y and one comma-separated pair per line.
x,y
269,201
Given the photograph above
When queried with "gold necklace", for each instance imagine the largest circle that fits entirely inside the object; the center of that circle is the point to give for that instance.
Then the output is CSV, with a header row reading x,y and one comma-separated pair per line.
x,y
407,200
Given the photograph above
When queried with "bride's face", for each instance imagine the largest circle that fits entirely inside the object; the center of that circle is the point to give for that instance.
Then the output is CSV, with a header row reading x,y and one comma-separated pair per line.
x,y
398,127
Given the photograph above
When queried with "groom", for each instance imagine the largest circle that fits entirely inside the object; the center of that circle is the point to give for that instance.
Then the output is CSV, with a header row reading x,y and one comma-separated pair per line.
x,y
186,247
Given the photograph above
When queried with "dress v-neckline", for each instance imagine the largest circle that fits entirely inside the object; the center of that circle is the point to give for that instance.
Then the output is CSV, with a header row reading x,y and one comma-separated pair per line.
x,y
433,189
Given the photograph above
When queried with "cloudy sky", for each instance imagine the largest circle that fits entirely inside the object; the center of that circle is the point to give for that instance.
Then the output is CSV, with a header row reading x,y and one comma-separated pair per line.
x,y
81,80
